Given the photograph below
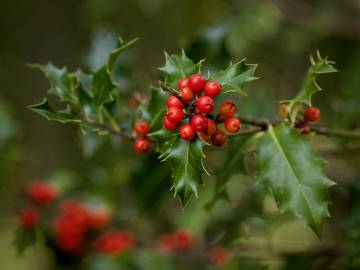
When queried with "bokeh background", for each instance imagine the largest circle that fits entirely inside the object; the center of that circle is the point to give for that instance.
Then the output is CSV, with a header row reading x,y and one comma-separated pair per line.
x,y
278,35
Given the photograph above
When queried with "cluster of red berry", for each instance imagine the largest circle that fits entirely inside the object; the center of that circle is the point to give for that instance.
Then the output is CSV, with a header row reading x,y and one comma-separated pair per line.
x,y
195,102
312,114
142,143
115,242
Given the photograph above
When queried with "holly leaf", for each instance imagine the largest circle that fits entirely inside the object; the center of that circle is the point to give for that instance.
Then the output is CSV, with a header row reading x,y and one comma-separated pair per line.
x,y
235,77
186,159
102,87
318,66
23,239
177,67
62,83
156,108
115,54
64,116
293,171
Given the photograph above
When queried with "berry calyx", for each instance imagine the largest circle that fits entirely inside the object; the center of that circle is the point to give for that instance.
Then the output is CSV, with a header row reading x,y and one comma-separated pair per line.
x,y
186,94
312,114
219,138
142,128
173,101
182,83
232,124
228,108
42,192
175,115
187,132
212,88
142,145
211,127
169,125
205,104
29,218
197,83
199,122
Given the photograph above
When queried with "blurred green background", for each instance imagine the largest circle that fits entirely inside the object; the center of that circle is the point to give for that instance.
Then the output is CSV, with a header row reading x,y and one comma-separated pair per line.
x,y
278,35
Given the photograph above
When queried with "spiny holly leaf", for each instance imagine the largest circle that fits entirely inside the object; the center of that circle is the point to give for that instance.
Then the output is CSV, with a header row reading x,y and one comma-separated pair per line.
x,y
235,76
62,83
156,107
177,67
186,160
63,116
114,55
319,66
102,87
293,171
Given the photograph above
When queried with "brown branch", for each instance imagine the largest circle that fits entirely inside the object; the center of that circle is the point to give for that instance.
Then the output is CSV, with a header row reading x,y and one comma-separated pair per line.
x,y
247,131
118,133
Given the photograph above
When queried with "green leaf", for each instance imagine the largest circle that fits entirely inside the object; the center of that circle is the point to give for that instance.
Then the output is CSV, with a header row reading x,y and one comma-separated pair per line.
x,y
62,83
102,87
235,76
186,159
63,116
177,67
293,171
23,239
115,54
318,66
156,107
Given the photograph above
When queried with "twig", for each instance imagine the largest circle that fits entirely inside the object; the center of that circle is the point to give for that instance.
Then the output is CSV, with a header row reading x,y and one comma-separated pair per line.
x,y
118,133
247,131
172,91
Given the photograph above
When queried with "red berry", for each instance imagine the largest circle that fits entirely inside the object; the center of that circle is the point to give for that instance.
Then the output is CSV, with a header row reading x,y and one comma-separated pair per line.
x,y
197,83
166,243
175,115
211,127
114,242
212,88
187,132
98,218
173,101
29,218
219,138
183,239
232,124
142,128
300,124
169,125
205,137
312,114
186,94
142,145
185,82
199,122
205,104
305,130
42,192
218,256
227,108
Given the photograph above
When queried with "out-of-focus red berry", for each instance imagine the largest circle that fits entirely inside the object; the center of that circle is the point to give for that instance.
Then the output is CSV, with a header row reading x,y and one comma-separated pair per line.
x,y
211,127
218,256
42,192
199,122
212,88
232,124
228,108
183,239
197,83
219,138
186,94
166,243
173,101
114,243
187,132
312,114
142,127
205,104
28,218
98,218
142,145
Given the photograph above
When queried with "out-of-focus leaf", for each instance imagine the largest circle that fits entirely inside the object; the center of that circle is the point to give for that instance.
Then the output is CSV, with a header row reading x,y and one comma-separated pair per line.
x,y
293,171
235,76
64,116
102,87
186,160
62,84
177,67
23,239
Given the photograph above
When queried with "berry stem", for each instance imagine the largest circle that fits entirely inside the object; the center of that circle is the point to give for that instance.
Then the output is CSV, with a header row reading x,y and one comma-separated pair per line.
x,y
172,91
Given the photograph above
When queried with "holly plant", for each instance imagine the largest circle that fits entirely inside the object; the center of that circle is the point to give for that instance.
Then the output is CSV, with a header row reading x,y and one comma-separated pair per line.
x,y
190,111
